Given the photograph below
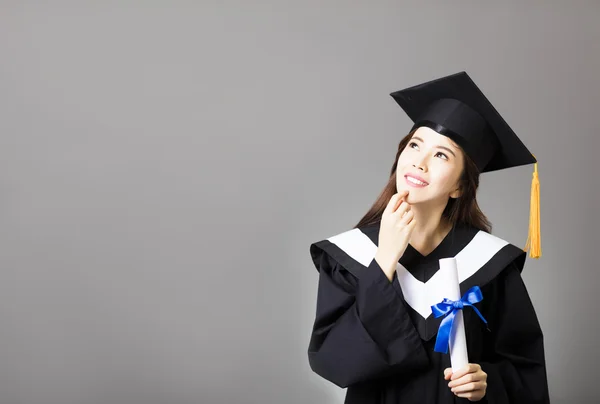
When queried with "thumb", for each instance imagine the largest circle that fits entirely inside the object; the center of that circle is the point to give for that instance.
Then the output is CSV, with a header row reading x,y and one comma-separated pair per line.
x,y
447,373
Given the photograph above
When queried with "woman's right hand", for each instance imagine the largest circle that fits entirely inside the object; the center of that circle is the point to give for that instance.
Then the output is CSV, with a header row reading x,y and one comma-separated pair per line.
x,y
397,225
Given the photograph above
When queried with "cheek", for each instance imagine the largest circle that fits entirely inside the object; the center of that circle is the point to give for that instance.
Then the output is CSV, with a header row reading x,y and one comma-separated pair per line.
x,y
446,177
401,159
404,161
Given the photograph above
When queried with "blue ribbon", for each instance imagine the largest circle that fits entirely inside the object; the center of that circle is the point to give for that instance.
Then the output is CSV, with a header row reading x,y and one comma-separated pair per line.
x,y
448,308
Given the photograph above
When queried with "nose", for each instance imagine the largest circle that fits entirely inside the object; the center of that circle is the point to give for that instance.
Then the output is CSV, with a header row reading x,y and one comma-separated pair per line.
x,y
419,164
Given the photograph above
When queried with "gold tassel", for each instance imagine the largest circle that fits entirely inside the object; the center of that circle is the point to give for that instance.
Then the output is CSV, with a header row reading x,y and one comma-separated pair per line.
x,y
534,244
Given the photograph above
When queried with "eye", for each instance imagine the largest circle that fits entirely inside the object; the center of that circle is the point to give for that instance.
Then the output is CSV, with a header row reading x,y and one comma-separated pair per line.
x,y
411,144
445,157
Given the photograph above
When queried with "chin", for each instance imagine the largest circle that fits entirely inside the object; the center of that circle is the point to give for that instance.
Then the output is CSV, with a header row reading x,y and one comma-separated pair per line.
x,y
416,199
411,199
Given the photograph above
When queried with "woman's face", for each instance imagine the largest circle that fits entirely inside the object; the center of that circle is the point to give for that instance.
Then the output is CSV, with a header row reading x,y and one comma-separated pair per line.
x,y
433,159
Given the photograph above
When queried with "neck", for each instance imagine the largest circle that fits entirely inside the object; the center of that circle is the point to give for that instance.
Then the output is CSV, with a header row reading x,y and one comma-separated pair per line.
x,y
431,227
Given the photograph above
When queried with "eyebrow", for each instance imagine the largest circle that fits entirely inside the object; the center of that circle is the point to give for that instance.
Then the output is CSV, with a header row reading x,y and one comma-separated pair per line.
x,y
439,147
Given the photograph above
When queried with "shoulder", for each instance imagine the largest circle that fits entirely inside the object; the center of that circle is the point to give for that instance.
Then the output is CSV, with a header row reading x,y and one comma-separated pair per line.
x,y
352,249
486,257
501,250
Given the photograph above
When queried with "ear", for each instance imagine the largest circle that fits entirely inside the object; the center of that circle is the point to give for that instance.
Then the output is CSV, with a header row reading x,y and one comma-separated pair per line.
x,y
456,193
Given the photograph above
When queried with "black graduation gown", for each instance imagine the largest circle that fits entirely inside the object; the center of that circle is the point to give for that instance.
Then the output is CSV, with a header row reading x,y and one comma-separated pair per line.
x,y
374,336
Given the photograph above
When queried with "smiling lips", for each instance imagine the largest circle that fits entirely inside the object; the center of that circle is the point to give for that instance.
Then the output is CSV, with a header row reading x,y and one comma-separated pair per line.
x,y
415,182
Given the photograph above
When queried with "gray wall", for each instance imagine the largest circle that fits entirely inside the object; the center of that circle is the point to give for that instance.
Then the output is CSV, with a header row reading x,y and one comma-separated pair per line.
x,y
164,168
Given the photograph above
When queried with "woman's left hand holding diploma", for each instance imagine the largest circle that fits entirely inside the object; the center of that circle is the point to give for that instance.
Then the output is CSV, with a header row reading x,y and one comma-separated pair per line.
x,y
469,382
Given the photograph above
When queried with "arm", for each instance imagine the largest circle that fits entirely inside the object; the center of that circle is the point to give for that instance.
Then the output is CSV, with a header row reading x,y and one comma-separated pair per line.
x,y
516,369
362,328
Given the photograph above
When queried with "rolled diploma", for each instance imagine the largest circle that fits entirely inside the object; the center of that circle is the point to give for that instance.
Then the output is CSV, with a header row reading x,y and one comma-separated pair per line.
x,y
458,340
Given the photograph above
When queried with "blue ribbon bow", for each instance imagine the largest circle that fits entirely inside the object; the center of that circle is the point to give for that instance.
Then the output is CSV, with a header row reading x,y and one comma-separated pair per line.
x,y
449,307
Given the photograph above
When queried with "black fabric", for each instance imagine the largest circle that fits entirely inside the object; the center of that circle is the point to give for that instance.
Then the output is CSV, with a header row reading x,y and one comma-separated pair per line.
x,y
424,267
455,107
364,338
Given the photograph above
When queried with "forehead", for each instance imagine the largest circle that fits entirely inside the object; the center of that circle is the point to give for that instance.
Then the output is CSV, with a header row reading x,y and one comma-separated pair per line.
x,y
432,137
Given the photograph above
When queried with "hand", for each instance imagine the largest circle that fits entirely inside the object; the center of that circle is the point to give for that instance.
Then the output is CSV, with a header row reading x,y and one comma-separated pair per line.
x,y
469,382
397,225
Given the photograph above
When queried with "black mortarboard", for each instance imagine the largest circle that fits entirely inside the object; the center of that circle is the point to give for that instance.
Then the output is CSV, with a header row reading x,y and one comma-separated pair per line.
x,y
455,107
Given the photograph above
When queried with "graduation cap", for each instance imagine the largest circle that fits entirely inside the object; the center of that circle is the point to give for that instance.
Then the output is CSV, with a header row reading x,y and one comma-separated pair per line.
x,y
455,107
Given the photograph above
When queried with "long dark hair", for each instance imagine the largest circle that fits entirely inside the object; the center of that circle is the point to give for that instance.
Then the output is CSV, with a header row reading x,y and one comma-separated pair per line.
x,y
463,210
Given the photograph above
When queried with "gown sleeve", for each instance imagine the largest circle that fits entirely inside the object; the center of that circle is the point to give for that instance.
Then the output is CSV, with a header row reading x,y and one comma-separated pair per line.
x,y
362,330
516,368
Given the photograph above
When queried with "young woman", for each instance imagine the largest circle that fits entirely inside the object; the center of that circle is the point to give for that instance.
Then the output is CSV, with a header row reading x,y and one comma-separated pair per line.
x,y
374,331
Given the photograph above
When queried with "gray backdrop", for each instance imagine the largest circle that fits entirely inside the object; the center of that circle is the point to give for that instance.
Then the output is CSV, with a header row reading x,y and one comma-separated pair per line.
x,y
164,167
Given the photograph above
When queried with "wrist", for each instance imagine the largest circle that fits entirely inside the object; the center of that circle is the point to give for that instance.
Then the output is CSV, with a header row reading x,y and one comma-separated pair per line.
x,y
387,262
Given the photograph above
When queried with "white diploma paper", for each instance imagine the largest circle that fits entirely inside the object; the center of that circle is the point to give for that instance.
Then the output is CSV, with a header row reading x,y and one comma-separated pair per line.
x,y
458,341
